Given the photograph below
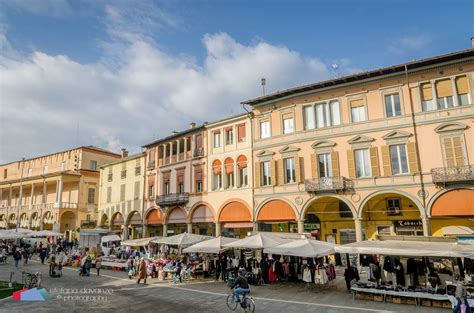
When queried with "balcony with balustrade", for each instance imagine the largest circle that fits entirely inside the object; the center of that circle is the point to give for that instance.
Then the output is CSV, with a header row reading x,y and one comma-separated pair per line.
x,y
443,176
328,184
150,165
198,152
173,199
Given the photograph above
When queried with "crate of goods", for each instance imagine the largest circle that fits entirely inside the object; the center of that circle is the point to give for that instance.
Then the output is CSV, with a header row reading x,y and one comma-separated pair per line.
x,y
411,301
447,304
75,263
425,302
437,304
360,296
378,298
369,296
389,299
397,300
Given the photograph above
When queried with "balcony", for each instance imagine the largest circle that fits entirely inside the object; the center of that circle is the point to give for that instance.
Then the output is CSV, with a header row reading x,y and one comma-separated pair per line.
x,y
456,174
88,224
150,165
328,184
173,199
198,152
123,174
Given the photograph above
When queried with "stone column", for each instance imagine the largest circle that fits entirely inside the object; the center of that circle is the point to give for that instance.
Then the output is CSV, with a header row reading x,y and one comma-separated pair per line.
x,y
185,148
426,226
300,226
358,229
455,93
144,230
177,150
165,230
190,228
236,172
32,195
164,154
171,150
218,229
125,232
255,226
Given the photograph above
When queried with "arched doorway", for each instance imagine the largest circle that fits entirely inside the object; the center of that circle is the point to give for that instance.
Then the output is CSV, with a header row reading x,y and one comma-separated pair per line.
x,y
12,221
277,216
24,222
104,221
176,221
135,225
452,213
154,223
202,220
390,213
3,221
235,220
328,218
118,223
35,221
67,225
48,220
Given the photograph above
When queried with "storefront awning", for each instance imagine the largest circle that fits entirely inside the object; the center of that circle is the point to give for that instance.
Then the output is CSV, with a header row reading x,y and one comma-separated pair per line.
x,y
155,217
177,216
203,214
408,248
458,202
235,212
238,225
275,211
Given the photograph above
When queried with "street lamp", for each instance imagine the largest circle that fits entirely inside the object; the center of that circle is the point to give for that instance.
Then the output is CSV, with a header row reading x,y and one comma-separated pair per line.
x,y
263,82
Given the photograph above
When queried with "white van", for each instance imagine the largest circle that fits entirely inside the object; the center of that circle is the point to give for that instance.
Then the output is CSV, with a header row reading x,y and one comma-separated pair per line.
x,y
108,242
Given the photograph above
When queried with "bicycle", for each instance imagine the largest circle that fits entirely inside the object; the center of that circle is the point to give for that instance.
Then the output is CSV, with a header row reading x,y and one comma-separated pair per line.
x,y
247,303
30,280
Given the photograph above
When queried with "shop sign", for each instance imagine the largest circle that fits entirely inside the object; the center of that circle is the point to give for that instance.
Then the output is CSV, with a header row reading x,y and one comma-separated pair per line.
x,y
311,226
408,223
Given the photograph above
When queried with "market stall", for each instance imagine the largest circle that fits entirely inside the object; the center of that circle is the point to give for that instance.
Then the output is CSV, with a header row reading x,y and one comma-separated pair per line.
x,y
307,248
212,246
421,271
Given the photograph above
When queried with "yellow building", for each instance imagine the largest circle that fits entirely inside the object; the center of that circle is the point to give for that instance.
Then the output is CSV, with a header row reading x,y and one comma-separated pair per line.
x,y
53,192
387,151
121,205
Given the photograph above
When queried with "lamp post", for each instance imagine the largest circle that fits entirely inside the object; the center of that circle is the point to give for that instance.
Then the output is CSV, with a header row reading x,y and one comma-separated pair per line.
x,y
21,194
264,82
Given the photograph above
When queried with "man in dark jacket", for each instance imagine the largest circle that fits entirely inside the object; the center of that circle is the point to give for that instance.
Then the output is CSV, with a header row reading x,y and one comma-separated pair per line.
x,y
16,257
242,286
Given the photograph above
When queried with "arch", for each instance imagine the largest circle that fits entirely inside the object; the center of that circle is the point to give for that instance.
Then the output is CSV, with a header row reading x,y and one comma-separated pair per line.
x,y
216,167
229,165
67,221
12,219
257,211
443,191
117,219
48,220
197,205
454,202
134,218
24,221
276,210
35,220
241,158
3,221
234,211
202,214
154,216
177,215
65,212
310,201
104,220
402,193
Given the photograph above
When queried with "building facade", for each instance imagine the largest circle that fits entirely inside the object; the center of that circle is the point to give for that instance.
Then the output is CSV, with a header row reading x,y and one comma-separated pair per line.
x,y
53,192
381,152
121,197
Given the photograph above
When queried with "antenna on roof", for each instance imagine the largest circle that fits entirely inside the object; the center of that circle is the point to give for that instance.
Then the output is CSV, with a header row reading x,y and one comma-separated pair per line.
x,y
263,82
335,69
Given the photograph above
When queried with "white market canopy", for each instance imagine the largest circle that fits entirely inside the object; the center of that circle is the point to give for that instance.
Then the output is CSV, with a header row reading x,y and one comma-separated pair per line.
x,y
408,248
183,239
109,238
308,248
139,242
45,233
215,245
257,241
14,234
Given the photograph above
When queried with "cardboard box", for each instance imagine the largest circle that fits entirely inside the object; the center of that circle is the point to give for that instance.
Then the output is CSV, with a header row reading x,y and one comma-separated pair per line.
x,y
411,301
397,300
389,299
447,305
437,304
425,302
378,298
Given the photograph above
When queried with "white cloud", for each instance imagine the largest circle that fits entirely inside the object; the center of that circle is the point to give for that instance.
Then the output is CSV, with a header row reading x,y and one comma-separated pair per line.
x,y
51,102
409,43
54,8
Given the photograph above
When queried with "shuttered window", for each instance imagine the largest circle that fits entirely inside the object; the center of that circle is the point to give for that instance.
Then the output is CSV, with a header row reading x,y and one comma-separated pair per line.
x,y
427,102
136,190
454,151
398,158
241,132
462,87
109,194
290,172
444,88
122,192
265,173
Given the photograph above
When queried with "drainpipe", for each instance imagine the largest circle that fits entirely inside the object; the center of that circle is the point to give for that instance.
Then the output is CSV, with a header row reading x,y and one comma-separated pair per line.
x,y
424,219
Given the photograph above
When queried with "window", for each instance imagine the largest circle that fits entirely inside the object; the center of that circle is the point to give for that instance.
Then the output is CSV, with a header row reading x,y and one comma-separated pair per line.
x,y
198,180
109,194
427,102
384,230
136,190
392,105
393,206
166,188
288,125
243,177
198,185
180,187
290,171
265,129
217,175
462,88
30,171
362,163
45,169
230,180
444,93
322,115
109,175
453,148
398,158
122,192
324,163
151,191
309,120
5,173
217,139
357,111
217,181
241,132
63,165
229,136
91,196
265,173
93,165
180,180
344,210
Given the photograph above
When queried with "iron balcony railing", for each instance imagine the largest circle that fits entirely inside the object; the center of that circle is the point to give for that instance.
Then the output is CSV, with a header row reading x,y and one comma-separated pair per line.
x,y
443,175
198,152
173,199
150,165
88,224
336,183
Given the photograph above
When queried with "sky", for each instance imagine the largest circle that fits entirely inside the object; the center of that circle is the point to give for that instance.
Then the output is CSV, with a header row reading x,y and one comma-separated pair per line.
x,y
120,74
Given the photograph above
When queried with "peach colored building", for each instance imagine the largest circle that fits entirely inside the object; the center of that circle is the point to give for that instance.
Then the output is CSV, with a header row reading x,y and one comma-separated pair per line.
x,y
54,192
387,151
121,195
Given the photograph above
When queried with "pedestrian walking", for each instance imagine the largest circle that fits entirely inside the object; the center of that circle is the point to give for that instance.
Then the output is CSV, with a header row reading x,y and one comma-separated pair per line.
x,y
98,262
42,255
25,256
16,257
142,271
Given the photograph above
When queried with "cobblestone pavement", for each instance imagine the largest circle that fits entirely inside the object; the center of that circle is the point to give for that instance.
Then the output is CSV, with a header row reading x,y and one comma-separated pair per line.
x,y
114,292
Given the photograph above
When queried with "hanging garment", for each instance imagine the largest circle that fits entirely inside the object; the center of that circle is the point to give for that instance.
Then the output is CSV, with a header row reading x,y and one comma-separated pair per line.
x,y
272,276
307,275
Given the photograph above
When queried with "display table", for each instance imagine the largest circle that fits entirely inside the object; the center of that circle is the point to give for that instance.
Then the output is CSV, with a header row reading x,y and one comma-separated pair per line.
x,y
406,294
109,262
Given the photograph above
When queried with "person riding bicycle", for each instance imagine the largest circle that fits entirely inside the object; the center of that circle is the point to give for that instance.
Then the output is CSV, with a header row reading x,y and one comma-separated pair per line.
x,y
242,286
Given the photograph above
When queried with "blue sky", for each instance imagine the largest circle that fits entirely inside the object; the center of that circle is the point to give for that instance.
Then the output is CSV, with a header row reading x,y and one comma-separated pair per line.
x,y
115,66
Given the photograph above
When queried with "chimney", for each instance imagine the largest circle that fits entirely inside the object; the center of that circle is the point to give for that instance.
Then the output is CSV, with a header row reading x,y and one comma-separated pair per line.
x,y
192,125
124,153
